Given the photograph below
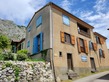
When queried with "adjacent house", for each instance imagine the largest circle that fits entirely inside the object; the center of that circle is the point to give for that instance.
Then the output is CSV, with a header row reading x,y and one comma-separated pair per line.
x,y
66,41
17,45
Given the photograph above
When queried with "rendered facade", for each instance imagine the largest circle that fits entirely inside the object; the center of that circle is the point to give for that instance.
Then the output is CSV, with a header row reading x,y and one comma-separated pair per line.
x,y
66,41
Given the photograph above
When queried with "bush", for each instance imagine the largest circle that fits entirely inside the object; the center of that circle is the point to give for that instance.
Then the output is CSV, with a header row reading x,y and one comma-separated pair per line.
x,y
8,56
22,55
8,64
1,56
22,51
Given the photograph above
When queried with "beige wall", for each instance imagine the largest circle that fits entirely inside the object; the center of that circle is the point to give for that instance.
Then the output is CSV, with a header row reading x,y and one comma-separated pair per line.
x,y
45,28
61,62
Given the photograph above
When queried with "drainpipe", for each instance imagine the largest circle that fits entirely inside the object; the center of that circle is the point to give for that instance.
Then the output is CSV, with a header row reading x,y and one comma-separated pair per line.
x,y
51,41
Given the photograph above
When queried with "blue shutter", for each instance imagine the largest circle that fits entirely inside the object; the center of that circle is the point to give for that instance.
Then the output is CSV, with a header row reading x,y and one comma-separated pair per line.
x,y
39,21
35,45
41,41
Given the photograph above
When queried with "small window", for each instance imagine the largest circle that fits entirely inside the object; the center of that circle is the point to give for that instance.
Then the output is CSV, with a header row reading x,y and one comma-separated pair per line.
x,y
82,45
28,44
91,45
66,20
60,54
97,39
29,29
67,38
39,21
101,52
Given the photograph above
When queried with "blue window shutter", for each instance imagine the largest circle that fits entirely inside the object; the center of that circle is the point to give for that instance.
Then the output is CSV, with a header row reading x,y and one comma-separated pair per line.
x,y
34,45
41,41
66,20
39,21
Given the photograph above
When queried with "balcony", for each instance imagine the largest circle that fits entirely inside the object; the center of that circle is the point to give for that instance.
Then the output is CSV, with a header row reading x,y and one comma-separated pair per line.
x,y
87,34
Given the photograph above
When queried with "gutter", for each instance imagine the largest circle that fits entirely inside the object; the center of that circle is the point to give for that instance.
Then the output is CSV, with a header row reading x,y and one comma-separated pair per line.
x,y
51,41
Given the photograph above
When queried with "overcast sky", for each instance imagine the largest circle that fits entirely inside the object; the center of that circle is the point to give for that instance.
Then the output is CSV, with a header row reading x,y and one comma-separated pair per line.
x,y
94,12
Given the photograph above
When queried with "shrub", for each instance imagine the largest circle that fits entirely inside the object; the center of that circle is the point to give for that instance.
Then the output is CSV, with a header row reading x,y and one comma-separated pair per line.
x,y
1,56
8,64
22,51
22,57
8,56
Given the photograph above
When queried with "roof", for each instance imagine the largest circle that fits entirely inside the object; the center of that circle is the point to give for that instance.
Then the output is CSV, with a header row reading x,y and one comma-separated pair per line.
x,y
18,41
95,33
63,11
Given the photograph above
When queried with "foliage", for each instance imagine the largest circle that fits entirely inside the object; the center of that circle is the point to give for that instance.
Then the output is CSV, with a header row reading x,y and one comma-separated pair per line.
x,y
24,51
4,41
8,56
36,60
8,64
16,72
1,56
22,55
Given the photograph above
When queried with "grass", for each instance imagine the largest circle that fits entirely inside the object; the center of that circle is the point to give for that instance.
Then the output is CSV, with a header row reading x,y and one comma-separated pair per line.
x,y
67,81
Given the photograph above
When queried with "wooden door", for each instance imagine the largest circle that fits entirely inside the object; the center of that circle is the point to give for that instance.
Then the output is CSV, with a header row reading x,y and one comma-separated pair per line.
x,y
69,62
93,67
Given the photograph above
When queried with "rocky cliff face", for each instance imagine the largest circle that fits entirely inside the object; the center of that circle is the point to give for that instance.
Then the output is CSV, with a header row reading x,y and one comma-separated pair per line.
x,y
12,30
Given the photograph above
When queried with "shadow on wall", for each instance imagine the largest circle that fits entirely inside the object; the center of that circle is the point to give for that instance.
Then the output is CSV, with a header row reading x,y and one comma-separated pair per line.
x,y
105,77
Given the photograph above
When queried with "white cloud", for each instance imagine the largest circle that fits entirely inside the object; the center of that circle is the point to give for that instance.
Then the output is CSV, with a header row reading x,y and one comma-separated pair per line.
x,y
99,18
66,4
19,11
100,5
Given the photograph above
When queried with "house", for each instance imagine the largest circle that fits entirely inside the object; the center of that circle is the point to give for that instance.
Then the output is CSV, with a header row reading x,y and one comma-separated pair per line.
x,y
66,41
17,45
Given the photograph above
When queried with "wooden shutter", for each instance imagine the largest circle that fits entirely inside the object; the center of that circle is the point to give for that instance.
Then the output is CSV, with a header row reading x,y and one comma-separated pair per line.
x,y
86,46
79,48
72,39
95,46
103,53
101,40
62,37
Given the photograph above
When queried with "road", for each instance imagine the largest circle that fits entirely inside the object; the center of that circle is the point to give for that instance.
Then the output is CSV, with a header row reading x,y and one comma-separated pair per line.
x,y
100,77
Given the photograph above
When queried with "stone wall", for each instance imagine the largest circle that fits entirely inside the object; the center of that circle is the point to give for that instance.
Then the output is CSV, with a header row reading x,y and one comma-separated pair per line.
x,y
15,71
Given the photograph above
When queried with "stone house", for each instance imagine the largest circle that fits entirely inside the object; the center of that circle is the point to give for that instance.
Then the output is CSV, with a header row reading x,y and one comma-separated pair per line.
x,y
66,41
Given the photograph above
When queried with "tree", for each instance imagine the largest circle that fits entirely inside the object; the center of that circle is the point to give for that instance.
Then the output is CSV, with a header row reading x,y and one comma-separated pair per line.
x,y
4,41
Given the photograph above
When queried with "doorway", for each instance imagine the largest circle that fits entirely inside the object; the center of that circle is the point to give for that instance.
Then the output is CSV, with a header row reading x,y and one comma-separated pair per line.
x,y
69,61
93,67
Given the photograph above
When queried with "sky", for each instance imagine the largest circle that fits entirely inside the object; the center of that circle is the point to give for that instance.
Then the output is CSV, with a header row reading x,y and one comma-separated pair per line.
x,y
94,12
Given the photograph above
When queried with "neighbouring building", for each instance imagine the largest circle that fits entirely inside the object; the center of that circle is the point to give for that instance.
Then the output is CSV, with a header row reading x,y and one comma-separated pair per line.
x,y
66,41
17,45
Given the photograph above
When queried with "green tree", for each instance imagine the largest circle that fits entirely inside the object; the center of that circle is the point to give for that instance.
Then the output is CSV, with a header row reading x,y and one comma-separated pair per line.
x,y
4,41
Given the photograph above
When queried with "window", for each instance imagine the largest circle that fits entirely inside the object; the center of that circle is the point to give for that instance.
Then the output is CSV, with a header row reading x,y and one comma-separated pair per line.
x,y
66,20
28,44
97,39
82,47
91,45
60,54
37,43
67,38
38,39
29,28
39,21
101,52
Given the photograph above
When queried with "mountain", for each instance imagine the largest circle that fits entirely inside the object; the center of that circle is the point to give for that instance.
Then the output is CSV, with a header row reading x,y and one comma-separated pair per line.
x,y
13,31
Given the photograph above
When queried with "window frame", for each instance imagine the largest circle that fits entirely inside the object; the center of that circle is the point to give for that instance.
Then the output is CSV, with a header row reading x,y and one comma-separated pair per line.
x,y
68,36
37,25
82,47
68,24
28,44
